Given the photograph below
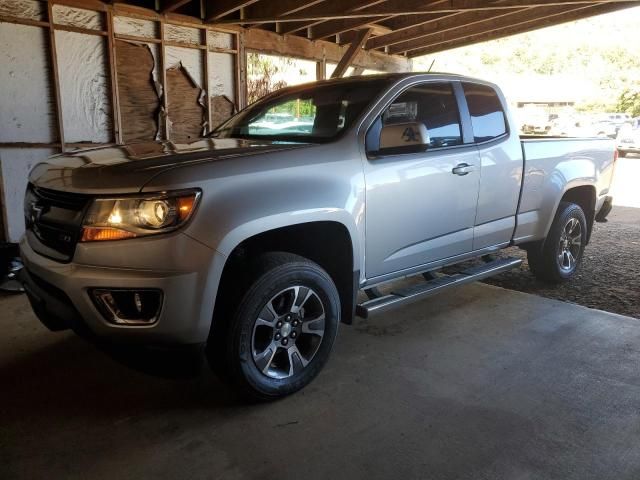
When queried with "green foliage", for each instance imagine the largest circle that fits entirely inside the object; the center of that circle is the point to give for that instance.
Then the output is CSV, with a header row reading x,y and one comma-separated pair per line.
x,y
261,75
629,102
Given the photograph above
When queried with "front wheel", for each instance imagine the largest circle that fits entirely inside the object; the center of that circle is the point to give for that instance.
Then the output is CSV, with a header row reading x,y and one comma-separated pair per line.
x,y
283,329
559,257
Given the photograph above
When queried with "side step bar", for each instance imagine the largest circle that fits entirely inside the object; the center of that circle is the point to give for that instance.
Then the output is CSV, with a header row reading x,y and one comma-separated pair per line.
x,y
437,285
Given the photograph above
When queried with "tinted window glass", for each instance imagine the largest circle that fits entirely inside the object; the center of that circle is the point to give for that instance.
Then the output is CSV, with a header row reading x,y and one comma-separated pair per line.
x,y
434,105
487,115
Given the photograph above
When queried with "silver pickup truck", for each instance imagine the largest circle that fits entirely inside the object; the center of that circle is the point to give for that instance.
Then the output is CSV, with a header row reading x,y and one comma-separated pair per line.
x,y
255,242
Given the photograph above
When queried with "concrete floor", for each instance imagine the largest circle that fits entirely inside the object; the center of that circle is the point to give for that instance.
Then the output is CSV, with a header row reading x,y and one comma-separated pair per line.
x,y
477,383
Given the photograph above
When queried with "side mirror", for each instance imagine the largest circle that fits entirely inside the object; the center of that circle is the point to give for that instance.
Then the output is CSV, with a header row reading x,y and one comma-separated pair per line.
x,y
399,138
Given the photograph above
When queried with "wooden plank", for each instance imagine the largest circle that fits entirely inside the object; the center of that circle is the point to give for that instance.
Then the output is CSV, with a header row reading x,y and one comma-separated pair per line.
x,y
55,77
23,21
84,31
224,7
207,82
279,8
353,5
172,5
136,39
241,72
163,82
115,104
293,46
463,23
391,9
351,53
534,24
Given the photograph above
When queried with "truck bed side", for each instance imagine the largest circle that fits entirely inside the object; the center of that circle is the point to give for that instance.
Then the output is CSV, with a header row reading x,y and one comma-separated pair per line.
x,y
553,167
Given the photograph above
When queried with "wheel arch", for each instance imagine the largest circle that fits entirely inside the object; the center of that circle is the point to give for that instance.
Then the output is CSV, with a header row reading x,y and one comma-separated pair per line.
x,y
329,243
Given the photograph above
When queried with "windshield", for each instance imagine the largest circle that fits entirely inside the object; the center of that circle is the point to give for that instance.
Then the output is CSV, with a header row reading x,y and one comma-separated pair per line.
x,y
315,114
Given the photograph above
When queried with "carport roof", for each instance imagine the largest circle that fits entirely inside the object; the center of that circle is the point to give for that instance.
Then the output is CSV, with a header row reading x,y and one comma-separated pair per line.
x,y
405,27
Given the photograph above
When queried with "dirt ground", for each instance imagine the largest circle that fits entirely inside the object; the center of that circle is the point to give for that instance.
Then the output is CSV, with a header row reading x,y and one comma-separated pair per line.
x,y
609,277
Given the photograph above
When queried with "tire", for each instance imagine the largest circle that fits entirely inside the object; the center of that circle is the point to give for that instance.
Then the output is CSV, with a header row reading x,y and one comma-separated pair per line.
x,y
283,329
558,258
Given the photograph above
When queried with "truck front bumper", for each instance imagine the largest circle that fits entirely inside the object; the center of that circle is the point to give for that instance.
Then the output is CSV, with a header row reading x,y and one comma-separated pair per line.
x,y
187,275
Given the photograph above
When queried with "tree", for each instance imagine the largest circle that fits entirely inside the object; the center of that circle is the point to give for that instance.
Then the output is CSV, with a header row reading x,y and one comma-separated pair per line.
x,y
261,75
629,102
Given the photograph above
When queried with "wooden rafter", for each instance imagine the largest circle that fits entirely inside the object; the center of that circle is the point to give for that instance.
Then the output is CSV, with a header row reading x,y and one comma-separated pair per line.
x,y
217,9
465,23
172,5
353,5
389,9
354,49
492,32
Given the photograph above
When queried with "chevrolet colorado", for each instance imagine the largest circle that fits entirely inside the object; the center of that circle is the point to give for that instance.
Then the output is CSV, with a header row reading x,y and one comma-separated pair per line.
x,y
255,241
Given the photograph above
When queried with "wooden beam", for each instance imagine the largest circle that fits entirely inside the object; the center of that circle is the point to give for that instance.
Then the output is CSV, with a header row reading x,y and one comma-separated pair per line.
x,y
465,23
219,8
279,8
173,5
390,10
353,5
55,77
115,97
534,24
264,41
351,53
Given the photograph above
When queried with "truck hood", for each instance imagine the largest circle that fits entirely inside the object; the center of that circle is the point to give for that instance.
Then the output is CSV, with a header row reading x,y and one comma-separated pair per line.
x,y
127,168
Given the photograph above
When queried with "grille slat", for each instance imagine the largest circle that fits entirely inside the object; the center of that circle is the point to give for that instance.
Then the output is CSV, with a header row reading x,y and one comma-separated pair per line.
x,y
55,218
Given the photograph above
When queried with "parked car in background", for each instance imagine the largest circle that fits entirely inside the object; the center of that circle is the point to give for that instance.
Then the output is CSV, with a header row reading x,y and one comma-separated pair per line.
x,y
629,138
253,244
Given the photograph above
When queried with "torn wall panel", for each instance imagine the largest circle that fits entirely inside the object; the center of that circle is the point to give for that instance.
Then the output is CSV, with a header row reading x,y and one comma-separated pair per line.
x,y
77,17
222,108
189,58
27,111
222,86
84,87
135,27
139,101
184,102
176,33
31,9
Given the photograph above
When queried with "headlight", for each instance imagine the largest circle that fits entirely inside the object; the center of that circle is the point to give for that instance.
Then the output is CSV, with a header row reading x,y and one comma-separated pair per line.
x,y
129,217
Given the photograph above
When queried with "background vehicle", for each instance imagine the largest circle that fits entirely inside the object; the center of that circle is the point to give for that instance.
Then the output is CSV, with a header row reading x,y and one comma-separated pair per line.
x,y
256,243
628,139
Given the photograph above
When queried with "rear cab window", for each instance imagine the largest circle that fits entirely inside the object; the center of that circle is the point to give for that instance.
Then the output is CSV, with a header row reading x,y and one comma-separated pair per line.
x,y
488,118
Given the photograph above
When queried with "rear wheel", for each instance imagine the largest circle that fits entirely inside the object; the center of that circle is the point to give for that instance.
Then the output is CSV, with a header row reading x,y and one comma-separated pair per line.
x,y
559,256
283,329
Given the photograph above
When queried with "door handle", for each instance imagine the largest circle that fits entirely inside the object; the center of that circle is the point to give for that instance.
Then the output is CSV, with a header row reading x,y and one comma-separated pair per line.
x,y
463,169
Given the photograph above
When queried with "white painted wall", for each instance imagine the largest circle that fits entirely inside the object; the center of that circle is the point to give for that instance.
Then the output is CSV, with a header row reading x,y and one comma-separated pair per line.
x,y
15,164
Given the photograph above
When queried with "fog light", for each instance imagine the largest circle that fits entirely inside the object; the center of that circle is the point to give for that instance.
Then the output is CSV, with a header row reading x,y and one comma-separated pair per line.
x,y
128,307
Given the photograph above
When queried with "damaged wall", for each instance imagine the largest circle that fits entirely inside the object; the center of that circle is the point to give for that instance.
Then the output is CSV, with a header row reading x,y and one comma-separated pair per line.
x,y
186,112
138,97
28,96
186,99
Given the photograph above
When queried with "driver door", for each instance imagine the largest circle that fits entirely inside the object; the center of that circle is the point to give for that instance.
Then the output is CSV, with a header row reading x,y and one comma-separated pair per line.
x,y
421,206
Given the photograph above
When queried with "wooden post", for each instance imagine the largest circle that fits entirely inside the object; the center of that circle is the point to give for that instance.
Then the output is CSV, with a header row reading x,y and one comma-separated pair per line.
x,y
115,102
351,53
207,83
56,77
163,81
